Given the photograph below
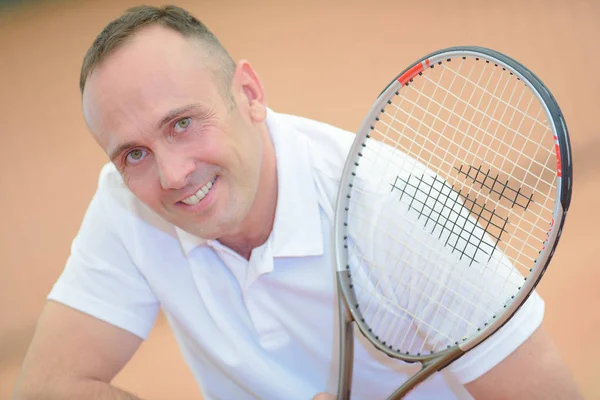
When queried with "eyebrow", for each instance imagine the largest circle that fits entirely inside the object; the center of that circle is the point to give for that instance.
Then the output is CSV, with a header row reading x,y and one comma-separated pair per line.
x,y
176,113
114,153
168,117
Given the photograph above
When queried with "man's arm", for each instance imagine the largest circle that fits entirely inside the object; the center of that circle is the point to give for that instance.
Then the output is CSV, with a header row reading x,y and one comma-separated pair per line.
x,y
535,370
74,356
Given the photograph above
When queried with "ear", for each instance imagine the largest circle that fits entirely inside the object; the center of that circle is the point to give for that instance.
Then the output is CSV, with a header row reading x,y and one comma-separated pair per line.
x,y
250,91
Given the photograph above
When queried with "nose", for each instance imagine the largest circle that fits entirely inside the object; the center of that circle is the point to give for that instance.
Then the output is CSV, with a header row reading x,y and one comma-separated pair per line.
x,y
173,170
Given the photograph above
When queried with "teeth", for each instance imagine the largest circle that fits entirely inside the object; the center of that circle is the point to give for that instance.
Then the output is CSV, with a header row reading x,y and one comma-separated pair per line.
x,y
191,200
195,198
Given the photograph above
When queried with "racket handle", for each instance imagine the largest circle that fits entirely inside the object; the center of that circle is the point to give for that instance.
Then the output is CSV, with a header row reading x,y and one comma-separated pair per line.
x,y
346,357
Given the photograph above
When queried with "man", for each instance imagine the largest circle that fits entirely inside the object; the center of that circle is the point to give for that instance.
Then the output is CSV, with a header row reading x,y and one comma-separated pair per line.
x,y
219,210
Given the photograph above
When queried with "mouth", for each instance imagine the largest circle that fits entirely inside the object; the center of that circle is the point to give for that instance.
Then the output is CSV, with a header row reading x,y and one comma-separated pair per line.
x,y
200,194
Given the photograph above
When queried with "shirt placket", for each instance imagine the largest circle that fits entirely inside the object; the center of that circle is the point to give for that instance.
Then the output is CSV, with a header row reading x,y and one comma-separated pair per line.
x,y
252,277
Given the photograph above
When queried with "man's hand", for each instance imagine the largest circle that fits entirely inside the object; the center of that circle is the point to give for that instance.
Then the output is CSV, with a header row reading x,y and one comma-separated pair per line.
x,y
324,396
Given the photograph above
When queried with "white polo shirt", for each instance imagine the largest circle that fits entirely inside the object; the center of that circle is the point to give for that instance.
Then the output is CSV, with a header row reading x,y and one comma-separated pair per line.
x,y
265,328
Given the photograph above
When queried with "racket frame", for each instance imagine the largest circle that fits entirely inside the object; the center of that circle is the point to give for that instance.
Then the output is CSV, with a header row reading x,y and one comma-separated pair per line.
x,y
349,315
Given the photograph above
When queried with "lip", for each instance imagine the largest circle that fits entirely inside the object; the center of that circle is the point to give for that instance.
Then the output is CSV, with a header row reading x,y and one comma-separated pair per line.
x,y
205,202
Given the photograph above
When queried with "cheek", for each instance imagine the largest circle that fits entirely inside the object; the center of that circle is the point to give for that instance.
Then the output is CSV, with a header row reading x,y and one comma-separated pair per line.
x,y
214,148
147,189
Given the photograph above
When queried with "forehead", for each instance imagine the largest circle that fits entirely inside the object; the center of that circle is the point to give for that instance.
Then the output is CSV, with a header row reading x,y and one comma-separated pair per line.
x,y
156,70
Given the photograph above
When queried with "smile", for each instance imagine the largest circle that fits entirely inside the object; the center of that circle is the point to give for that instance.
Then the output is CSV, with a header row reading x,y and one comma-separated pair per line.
x,y
199,195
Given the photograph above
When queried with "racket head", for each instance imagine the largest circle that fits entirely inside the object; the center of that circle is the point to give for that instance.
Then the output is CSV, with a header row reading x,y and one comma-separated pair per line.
x,y
518,217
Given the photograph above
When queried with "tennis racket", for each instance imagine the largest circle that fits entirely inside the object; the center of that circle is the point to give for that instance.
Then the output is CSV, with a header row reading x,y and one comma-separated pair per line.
x,y
451,204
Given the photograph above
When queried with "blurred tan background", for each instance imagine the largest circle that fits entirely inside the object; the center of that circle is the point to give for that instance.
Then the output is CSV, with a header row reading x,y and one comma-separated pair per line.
x,y
327,60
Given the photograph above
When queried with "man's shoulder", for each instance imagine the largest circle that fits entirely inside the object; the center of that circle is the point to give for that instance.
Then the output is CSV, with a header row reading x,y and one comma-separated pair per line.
x,y
319,131
110,177
116,198
112,189
329,145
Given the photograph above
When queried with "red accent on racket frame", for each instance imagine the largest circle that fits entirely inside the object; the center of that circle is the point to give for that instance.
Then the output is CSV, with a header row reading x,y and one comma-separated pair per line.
x,y
412,72
558,164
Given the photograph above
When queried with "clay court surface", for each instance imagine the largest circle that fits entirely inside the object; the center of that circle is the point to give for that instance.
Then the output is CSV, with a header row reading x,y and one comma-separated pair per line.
x,y
324,60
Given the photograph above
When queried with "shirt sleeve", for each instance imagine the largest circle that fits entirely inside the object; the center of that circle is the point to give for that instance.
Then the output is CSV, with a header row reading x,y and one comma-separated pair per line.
x,y
501,344
100,278
453,277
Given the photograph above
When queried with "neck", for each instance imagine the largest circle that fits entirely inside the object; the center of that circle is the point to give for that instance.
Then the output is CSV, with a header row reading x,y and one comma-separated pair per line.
x,y
256,228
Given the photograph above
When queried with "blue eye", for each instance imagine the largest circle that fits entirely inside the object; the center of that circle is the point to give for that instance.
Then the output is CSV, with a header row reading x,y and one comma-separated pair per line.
x,y
182,124
135,156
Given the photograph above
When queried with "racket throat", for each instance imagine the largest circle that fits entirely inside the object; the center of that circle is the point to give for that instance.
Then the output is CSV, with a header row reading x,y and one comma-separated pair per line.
x,y
428,368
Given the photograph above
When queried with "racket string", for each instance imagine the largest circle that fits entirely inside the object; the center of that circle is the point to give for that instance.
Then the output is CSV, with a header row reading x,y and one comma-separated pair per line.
x,y
451,313
545,197
408,150
428,279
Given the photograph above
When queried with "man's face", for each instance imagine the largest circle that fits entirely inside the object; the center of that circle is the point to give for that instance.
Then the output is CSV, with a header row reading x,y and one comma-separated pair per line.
x,y
155,108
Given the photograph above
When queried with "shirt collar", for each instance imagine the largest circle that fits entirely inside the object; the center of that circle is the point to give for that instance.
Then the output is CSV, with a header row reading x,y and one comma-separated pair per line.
x,y
188,241
297,227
